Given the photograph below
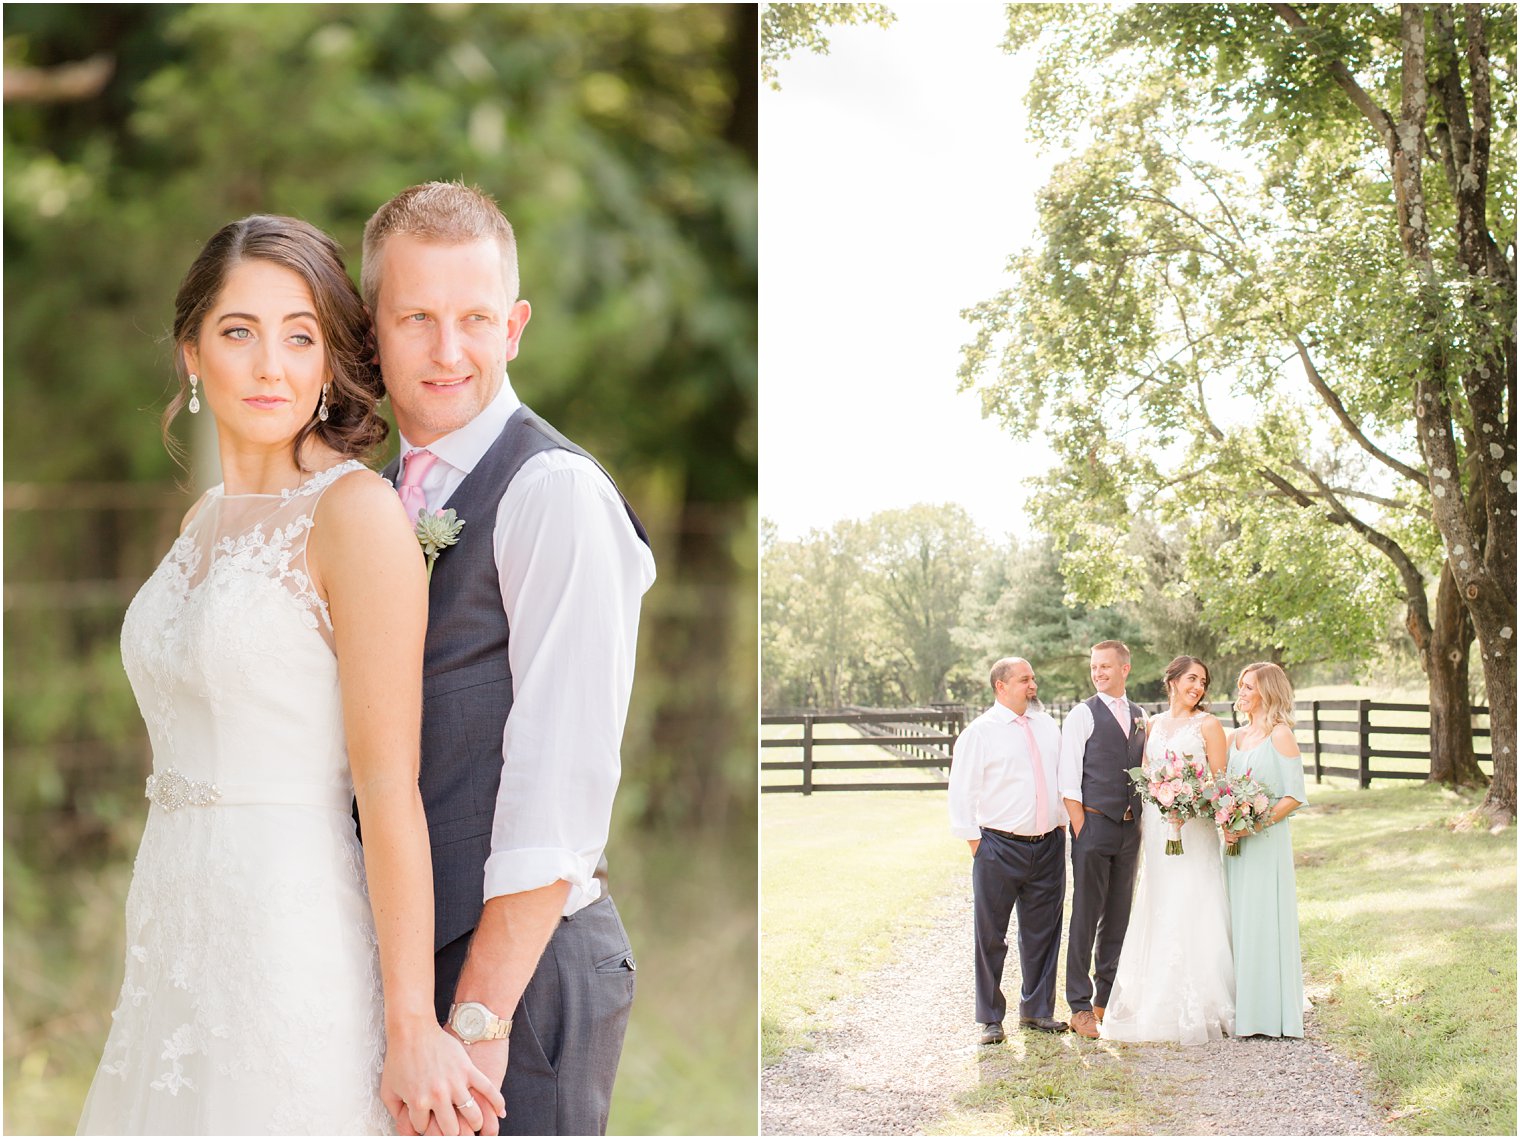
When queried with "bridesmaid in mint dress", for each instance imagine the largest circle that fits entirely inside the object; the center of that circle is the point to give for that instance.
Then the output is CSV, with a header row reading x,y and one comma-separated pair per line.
x,y
1269,976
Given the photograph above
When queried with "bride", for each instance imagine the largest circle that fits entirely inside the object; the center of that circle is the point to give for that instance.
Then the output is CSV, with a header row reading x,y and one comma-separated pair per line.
x,y
276,656
1176,978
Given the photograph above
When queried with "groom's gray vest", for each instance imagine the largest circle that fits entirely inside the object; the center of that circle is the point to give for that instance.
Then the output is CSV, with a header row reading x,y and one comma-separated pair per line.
x,y
467,679
1106,785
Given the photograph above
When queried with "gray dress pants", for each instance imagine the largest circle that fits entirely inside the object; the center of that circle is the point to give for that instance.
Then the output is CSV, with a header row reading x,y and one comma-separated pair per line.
x,y
567,1031
1103,864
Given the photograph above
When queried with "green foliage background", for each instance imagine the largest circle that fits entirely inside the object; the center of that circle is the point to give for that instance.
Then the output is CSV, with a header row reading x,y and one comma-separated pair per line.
x,y
621,142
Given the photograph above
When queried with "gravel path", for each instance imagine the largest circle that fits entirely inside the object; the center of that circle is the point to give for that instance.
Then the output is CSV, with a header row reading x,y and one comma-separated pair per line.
x,y
902,1051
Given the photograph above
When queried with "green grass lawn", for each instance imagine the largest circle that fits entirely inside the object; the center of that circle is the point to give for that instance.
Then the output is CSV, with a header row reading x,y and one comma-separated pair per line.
x,y
1409,926
1413,926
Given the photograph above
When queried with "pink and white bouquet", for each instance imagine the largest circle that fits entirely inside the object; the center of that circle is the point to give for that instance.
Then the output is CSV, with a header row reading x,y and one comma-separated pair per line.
x,y
1178,786
1239,804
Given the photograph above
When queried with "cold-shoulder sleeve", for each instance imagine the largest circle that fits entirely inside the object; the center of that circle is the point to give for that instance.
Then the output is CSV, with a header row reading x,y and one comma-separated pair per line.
x,y
1292,777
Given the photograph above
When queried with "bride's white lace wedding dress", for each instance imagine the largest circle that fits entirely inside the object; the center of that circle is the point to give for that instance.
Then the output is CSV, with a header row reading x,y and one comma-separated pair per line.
x,y
252,1001
1176,978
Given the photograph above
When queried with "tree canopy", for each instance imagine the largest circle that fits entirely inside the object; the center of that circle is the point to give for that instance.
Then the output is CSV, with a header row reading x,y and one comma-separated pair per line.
x,y
1250,296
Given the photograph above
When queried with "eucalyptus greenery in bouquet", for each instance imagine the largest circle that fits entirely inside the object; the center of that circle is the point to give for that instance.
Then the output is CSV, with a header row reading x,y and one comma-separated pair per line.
x,y
1239,805
1177,785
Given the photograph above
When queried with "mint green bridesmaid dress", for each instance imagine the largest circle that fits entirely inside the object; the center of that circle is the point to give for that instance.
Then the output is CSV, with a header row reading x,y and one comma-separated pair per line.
x,y
1269,974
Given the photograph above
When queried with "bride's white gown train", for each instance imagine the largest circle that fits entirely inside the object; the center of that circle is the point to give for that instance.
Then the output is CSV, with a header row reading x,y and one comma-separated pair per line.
x,y
1176,978
252,1001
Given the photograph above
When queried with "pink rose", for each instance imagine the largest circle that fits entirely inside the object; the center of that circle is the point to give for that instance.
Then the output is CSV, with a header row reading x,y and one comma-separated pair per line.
x,y
1166,794
1221,817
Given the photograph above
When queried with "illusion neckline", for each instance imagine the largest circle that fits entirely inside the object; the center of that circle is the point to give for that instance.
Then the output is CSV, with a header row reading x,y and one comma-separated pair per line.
x,y
317,481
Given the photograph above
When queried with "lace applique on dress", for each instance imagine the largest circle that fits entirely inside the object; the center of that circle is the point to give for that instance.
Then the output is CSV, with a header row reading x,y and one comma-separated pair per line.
x,y
251,1000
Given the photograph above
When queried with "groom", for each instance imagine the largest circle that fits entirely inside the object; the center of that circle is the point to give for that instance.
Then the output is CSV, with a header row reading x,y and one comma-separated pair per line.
x,y
532,623
1102,738
1003,802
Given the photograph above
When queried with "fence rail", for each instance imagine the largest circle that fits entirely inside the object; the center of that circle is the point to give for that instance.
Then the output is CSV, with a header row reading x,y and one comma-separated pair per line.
x,y
924,739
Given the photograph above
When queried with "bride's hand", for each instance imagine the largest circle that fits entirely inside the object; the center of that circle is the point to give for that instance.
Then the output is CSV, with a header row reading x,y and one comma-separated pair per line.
x,y
429,1076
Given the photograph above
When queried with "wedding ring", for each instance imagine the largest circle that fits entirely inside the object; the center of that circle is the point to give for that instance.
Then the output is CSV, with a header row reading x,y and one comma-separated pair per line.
x,y
465,1104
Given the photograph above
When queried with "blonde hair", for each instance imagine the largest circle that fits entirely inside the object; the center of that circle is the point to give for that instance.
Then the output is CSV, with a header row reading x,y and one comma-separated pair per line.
x,y
449,213
1275,690
1118,646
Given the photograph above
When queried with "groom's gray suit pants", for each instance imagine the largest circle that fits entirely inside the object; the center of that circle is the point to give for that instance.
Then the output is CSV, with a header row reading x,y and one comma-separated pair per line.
x,y
567,1031
1103,864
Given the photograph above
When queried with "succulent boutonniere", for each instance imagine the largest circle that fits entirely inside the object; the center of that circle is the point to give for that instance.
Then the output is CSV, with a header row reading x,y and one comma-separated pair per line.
x,y
436,532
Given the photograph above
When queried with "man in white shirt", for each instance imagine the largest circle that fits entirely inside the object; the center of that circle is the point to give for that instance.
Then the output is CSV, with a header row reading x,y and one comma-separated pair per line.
x,y
1101,740
1004,803
528,666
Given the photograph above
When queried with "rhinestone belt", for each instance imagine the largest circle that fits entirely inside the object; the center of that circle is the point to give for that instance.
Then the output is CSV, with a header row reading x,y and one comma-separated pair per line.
x,y
172,790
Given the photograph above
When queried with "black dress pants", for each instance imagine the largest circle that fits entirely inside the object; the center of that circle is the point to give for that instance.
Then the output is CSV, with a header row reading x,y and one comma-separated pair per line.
x,y
1031,876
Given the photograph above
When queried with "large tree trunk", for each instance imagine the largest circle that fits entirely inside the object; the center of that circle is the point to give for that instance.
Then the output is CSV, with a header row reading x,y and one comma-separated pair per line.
x,y
1446,666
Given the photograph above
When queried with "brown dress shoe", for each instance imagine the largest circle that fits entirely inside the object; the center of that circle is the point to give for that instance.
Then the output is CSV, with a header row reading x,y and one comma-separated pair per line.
x,y
1084,1023
1098,1012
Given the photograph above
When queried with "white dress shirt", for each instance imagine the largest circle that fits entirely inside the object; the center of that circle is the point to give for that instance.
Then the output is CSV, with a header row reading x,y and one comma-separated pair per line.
x,y
1077,729
992,779
572,573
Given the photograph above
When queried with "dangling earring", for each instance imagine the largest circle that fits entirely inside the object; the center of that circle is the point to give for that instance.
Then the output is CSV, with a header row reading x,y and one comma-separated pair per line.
x,y
195,402
322,407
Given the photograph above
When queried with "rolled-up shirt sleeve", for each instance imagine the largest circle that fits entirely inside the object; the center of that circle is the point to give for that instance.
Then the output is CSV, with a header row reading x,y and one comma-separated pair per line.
x,y
965,783
1075,731
573,574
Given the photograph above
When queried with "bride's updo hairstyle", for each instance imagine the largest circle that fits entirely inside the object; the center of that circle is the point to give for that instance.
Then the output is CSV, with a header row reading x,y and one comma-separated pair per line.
x,y
1275,690
352,428
1179,666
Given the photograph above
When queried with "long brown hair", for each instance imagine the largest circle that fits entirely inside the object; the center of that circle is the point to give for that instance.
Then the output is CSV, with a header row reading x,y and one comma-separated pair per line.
x,y
352,428
1179,666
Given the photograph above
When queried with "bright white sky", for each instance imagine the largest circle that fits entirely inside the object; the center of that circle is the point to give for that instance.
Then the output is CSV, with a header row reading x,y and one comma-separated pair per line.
x,y
895,182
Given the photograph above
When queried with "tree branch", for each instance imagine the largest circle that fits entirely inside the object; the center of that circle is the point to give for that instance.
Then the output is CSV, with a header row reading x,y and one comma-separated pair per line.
x,y
1333,402
1381,120
1409,573
65,83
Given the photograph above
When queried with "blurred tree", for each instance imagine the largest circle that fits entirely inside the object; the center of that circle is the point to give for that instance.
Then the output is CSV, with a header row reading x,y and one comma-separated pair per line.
x,y
816,619
1201,243
1019,605
918,565
786,28
621,142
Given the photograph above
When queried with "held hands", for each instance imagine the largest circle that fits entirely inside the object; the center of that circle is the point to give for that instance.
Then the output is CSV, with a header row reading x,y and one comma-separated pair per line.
x,y
430,1086
490,1056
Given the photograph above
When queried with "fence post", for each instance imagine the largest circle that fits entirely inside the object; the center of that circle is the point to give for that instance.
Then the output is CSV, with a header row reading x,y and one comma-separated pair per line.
x,y
807,755
1364,743
1319,767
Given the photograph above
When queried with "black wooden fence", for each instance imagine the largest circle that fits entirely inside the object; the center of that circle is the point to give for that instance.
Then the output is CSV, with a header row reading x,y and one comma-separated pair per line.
x,y
1340,731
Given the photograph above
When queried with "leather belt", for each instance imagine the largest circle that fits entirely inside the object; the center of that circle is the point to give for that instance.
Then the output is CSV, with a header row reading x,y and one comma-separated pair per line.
x,y
1020,837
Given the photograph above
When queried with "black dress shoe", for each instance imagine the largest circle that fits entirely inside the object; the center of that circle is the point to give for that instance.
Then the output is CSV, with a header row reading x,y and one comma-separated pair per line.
x,y
1043,1023
992,1033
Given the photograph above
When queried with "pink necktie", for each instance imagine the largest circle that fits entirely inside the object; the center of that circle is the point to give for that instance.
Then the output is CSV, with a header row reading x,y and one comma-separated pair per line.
x,y
1120,709
417,464
1041,794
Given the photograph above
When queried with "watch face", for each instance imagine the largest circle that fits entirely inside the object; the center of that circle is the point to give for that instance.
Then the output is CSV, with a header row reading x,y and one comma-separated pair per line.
x,y
470,1021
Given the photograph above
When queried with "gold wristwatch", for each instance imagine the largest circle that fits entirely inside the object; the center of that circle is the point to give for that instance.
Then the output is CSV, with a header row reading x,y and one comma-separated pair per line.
x,y
472,1022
